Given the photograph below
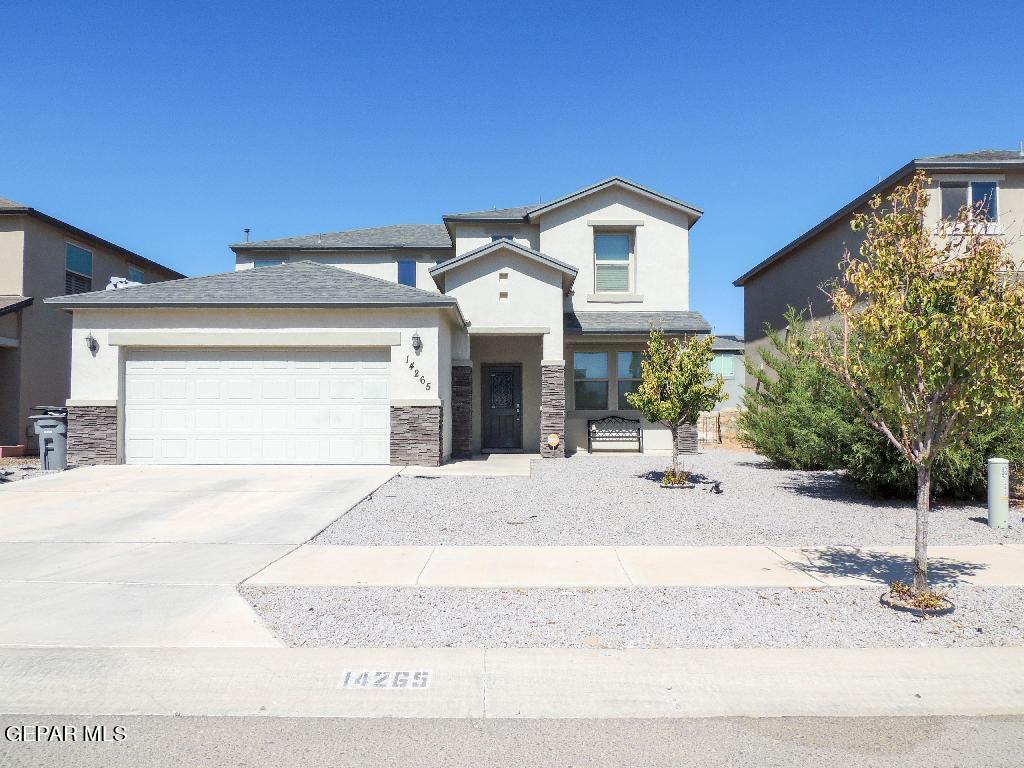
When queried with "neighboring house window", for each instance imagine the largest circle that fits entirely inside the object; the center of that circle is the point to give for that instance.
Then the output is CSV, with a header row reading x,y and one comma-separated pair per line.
x,y
77,270
495,238
136,275
724,366
590,375
407,273
267,262
957,194
613,257
628,376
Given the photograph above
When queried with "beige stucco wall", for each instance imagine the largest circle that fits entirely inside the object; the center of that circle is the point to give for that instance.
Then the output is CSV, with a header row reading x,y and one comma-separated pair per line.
x,y
471,236
524,350
661,246
796,279
98,378
44,360
534,295
380,264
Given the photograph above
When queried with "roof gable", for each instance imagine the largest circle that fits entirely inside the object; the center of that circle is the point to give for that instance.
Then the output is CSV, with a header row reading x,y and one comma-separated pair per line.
x,y
616,182
568,271
297,284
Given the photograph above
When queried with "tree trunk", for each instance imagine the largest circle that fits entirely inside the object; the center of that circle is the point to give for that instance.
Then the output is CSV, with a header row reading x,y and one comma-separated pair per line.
x,y
924,492
675,450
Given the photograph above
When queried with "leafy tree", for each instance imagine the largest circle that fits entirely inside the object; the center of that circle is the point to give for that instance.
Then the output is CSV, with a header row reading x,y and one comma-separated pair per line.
x,y
676,384
930,339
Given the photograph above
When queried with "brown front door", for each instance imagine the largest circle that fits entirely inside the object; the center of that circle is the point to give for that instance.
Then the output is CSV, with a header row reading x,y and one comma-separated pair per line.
x,y
502,406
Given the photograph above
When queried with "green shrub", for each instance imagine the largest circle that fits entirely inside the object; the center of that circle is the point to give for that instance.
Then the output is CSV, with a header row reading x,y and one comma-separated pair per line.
x,y
797,414
804,418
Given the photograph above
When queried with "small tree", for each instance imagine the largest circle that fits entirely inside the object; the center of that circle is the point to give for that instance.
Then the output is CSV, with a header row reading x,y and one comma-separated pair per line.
x,y
931,333
676,384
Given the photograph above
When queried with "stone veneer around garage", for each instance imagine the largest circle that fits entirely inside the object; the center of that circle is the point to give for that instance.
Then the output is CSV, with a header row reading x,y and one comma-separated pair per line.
x,y
462,411
552,409
92,434
416,435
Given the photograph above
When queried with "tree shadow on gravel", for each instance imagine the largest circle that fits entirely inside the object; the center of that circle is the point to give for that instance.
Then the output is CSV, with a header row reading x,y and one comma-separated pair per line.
x,y
880,567
829,486
695,477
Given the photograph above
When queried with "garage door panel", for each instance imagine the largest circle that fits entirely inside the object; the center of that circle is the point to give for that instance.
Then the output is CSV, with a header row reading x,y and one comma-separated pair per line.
x,y
246,406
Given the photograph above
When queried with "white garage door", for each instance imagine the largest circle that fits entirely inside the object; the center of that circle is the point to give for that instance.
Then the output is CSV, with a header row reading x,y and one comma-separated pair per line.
x,y
257,407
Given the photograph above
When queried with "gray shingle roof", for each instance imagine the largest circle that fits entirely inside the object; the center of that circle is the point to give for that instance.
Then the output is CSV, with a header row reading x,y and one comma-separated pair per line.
x,y
984,158
579,323
513,214
979,156
12,303
729,343
6,204
393,236
297,284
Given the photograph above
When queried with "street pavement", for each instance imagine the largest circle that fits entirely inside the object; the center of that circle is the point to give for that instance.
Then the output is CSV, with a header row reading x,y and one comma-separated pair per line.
x,y
264,742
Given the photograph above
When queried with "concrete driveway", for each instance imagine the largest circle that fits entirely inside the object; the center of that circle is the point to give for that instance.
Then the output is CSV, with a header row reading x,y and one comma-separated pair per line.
x,y
137,556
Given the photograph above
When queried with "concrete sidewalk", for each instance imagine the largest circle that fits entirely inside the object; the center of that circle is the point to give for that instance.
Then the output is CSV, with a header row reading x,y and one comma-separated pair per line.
x,y
515,683
752,566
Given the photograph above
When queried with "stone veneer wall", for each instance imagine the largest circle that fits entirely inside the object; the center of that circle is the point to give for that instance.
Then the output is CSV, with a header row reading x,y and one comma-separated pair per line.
x,y
416,435
462,411
687,438
92,434
552,409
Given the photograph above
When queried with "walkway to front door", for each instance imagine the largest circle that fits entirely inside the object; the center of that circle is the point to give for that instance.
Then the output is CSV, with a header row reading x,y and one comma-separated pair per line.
x,y
502,407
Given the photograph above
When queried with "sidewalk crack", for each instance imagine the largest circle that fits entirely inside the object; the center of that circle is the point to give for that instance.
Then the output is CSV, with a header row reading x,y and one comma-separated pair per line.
x,y
425,564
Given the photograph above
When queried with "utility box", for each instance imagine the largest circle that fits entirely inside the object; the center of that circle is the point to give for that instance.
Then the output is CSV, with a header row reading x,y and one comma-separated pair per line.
x,y
52,430
998,493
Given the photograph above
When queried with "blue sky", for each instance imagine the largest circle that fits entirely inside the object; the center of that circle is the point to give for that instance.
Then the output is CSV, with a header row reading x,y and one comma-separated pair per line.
x,y
170,128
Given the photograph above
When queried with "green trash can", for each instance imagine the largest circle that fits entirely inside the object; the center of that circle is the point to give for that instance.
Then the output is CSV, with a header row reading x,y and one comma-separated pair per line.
x,y
52,430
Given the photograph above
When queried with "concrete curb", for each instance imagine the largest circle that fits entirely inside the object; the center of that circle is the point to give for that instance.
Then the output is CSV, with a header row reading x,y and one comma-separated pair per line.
x,y
515,683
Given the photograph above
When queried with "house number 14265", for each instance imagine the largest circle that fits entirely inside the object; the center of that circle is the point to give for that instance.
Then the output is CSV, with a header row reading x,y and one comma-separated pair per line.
x,y
416,373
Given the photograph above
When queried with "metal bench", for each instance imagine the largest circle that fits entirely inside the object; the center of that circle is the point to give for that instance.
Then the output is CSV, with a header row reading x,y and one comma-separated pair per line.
x,y
614,429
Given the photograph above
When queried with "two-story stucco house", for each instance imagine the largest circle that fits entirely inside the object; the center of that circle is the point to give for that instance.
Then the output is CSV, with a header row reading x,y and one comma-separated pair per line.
x,y
41,256
497,330
792,276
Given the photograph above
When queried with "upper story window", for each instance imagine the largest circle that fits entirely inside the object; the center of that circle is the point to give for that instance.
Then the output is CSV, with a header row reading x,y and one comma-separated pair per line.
x,y
136,275
724,365
613,262
267,262
974,194
407,273
77,269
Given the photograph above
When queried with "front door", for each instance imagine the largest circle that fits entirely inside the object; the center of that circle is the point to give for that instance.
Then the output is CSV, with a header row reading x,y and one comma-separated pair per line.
x,y
502,406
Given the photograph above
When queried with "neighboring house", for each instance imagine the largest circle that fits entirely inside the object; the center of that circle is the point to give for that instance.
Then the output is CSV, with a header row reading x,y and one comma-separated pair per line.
x,y
792,275
492,331
728,363
41,256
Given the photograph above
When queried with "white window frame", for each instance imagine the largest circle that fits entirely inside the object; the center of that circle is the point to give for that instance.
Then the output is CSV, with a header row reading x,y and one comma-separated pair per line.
x,y
724,356
630,262
992,226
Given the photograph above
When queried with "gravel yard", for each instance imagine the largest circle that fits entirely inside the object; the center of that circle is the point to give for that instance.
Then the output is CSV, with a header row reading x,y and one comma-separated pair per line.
x,y
13,468
628,618
613,500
